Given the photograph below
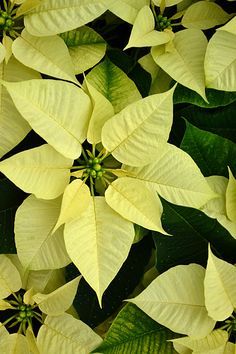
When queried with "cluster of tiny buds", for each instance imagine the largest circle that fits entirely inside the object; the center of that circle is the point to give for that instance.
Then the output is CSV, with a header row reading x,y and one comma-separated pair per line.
x,y
6,21
94,169
162,23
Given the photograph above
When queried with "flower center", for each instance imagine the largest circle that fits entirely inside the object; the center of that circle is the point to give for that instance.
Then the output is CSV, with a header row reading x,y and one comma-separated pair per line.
x,y
162,23
6,21
20,315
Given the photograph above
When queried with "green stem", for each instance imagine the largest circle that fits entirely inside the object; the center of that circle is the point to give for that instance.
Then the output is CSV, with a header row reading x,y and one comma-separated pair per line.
x,y
91,185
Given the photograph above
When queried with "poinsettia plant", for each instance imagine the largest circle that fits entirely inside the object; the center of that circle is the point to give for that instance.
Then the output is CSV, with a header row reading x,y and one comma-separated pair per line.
x,y
117,162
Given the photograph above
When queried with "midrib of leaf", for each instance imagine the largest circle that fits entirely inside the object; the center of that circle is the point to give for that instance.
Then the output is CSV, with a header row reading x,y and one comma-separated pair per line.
x,y
97,248
54,64
86,43
192,74
222,283
131,339
39,108
133,204
55,8
138,126
224,69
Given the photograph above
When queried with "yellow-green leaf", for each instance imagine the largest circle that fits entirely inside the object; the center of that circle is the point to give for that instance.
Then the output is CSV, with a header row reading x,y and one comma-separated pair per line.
x,y
143,33
75,201
220,61
135,202
45,280
2,52
47,55
231,197
127,9
98,243
58,111
204,15
175,176
86,48
59,300
230,26
65,334
13,128
114,84
10,280
4,305
148,120
216,208
215,340
37,247
41,171
167,3
57,16
175,299
102,111
220,288
185,61
31,341
7,42
16,343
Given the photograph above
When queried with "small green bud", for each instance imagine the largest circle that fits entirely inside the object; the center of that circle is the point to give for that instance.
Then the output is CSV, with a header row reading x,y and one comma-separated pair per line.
x,y
2,21
90,161
9,23
22,314
99,174
93,173
96,160
97,167
164,19
159,17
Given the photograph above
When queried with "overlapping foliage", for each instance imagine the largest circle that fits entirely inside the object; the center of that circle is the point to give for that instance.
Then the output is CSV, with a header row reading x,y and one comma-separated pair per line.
x,y
117,176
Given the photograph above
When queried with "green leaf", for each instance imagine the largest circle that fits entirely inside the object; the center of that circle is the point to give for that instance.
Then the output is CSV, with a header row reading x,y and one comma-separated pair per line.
x,y
149,120
47,104
211,152
220,288
219,121
220,61
184,61
57,16
114,84
133,331
37,247
191,230
48,55
66,334
105,236
15,343
10,280
41,171
11,198
215,98
204,15
175,299
86,47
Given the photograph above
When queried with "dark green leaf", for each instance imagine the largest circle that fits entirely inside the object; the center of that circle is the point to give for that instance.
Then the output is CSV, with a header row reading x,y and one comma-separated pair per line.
x,y
191,231
211,152
126,280
135,332
221,121
215,98
10,198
